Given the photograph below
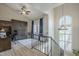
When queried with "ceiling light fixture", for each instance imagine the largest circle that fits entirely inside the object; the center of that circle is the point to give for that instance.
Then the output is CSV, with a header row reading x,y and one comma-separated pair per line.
x,y
25,11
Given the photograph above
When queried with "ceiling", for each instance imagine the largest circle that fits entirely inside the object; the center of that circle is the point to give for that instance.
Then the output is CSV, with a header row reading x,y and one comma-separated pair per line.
x,y
37,9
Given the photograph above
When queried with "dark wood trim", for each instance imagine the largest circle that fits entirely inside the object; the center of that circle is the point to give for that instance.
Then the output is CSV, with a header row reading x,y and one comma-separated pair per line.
x,y
18,21
12,21
4,21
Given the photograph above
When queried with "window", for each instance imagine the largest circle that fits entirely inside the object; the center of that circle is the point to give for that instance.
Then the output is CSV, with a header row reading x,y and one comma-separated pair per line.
x,y
65,33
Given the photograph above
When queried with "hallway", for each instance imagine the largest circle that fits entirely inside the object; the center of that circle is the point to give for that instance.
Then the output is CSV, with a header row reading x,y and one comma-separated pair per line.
x,y
20,50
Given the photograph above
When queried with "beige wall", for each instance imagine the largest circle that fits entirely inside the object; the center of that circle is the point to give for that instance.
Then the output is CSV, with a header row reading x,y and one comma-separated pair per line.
x,y
7,14
45,25
57,15
29,26
73,11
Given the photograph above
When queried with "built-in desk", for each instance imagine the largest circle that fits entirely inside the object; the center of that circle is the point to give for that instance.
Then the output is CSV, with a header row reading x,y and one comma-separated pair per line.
x,y
5,44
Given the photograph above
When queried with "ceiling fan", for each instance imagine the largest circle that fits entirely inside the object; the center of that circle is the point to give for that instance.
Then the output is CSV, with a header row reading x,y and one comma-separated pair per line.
x,y
24,11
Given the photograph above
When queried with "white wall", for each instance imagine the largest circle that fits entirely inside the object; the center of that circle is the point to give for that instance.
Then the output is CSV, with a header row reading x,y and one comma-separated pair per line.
x,y
51,24
53,32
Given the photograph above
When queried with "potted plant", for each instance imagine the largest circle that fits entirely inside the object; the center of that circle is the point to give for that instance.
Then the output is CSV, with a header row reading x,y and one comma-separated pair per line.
x,y
76,52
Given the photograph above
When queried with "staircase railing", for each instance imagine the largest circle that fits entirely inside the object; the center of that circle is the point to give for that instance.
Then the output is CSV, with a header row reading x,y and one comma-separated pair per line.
x,y
47,45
